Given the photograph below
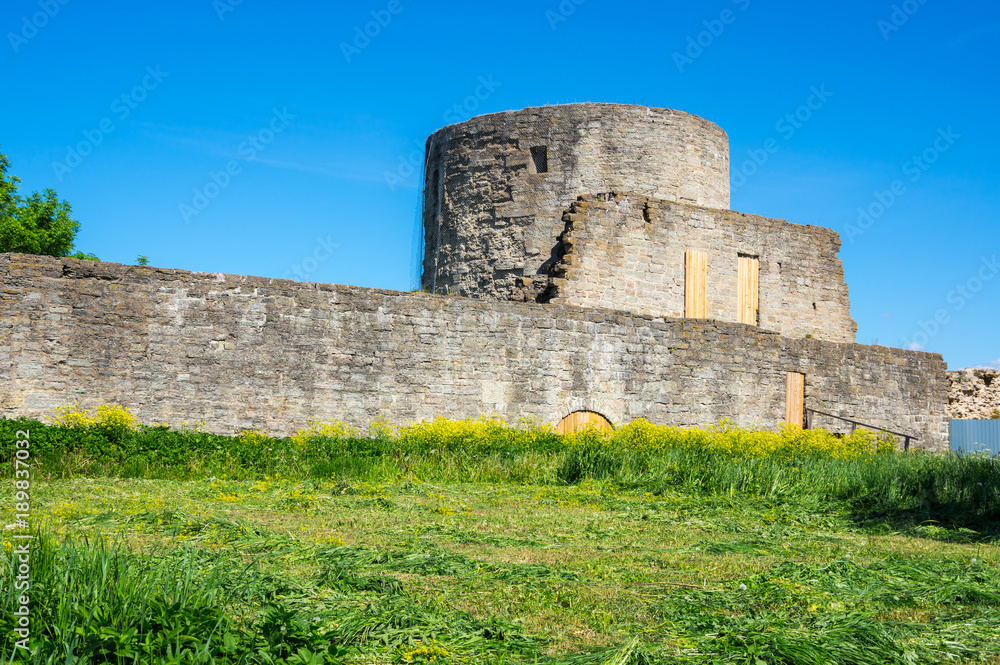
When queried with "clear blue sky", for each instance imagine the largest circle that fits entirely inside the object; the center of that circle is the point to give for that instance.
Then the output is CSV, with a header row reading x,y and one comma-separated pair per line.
x,y
200,77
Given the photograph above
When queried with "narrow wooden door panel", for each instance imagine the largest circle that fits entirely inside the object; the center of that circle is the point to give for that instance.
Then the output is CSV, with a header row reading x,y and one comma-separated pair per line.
x,y
696,284
795,391
747,289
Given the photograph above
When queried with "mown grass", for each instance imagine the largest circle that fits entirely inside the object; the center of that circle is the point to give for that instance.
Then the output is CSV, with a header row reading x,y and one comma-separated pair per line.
x,y
473,543
862,471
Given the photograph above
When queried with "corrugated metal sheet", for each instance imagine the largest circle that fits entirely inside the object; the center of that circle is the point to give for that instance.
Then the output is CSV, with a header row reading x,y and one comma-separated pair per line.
x,y
971,435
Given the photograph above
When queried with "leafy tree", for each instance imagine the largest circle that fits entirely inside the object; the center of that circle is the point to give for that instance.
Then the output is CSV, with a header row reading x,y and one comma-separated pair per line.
x,y
36,224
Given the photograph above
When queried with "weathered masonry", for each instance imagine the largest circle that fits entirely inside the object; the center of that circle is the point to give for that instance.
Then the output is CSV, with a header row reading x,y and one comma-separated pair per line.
x,y
582,264
622,207
673,260
240,352
496,186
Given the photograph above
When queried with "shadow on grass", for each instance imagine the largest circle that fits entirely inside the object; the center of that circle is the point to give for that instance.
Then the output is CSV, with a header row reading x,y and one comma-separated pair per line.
x,y
945,525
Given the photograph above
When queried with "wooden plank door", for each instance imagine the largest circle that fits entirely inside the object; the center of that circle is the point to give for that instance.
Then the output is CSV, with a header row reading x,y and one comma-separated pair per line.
x,y
747,289
580,419
795,393
696,284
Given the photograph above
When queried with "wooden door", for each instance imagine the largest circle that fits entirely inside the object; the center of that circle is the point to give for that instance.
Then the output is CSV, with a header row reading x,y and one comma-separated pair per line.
x,y
696,284
580,419
747,289
795,394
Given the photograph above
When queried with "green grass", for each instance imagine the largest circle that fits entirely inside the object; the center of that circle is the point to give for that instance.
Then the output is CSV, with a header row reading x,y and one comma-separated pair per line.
x,y
509,551
949,490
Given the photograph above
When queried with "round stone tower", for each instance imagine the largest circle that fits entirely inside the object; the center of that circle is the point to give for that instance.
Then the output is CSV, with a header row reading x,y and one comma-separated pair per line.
x,y
496,186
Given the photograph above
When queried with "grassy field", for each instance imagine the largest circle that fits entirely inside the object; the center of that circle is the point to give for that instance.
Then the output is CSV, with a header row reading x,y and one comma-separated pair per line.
x,y
654,546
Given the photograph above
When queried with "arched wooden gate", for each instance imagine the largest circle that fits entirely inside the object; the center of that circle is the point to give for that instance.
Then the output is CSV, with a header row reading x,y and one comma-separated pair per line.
x,y
580,419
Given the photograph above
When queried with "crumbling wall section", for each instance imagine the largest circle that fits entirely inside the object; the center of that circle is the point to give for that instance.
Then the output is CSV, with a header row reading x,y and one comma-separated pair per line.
x,y
626,251
974,394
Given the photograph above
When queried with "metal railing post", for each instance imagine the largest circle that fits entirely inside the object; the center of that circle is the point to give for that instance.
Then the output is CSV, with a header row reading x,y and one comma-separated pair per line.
x,y
855,424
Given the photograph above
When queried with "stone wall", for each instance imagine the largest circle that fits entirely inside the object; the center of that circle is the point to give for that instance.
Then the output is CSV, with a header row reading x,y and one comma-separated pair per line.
x,y
239,352
490,216
626,252
974,394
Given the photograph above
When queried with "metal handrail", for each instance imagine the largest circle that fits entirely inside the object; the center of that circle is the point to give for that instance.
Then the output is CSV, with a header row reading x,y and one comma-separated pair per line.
x,y
856,423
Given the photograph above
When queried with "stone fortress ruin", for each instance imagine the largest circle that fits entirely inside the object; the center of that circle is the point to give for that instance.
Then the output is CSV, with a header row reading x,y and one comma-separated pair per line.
x,y
580,262
619,207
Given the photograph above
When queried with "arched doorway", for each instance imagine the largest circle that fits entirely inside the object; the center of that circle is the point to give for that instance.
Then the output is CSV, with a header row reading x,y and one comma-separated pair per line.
x,y
580,419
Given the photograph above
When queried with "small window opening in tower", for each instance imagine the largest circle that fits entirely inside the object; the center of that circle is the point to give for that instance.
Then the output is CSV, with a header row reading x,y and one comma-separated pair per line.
x,y
539,159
